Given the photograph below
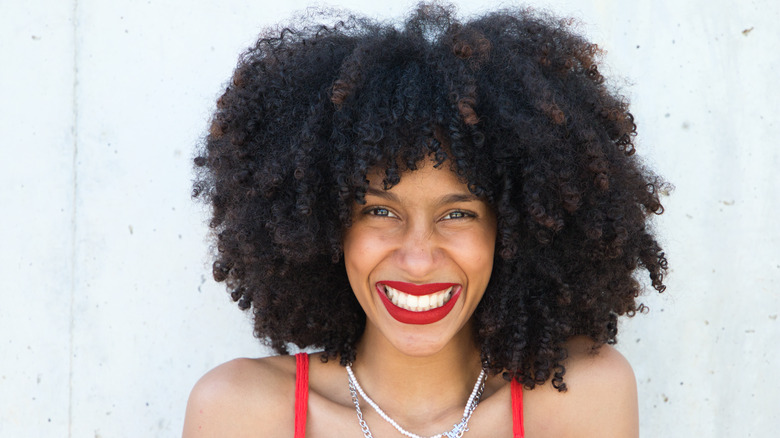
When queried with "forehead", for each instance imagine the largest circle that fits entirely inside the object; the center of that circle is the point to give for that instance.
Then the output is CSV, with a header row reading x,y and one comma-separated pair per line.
x,y
426,175
425,186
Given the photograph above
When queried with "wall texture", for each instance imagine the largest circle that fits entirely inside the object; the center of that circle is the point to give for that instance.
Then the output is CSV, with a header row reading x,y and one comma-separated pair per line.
x,y
108,314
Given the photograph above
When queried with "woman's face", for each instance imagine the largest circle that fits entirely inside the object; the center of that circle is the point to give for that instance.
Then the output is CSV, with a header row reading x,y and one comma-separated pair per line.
x,y
419,257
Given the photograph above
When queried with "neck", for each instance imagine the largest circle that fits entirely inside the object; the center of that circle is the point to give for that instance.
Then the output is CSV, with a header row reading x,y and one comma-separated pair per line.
x,y
422,388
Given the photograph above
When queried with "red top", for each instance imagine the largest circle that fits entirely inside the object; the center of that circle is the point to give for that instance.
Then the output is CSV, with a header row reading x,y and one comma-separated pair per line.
x,y
301,393
517,410
302,398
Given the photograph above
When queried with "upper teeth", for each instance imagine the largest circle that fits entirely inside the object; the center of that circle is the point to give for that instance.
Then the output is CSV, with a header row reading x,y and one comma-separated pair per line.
x,y
418,303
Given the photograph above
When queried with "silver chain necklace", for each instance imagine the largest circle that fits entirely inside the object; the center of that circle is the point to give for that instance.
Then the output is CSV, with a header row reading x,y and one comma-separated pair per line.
x,y
457,430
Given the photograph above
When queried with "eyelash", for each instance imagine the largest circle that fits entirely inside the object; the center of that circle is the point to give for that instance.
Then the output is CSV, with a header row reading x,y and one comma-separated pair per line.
x,y
460,214
373,211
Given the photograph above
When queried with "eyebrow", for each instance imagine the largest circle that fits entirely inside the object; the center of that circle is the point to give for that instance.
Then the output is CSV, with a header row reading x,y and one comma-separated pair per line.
x,y
447,199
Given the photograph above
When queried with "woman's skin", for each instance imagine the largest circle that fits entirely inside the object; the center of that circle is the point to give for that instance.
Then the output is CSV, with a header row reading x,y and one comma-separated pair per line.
x,y
426,229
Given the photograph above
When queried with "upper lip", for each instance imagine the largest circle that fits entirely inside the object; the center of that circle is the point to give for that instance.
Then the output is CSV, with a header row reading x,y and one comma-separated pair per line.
x,y
417,289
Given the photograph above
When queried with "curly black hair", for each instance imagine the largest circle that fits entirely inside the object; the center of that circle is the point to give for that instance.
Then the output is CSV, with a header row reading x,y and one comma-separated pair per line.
x,y
512,100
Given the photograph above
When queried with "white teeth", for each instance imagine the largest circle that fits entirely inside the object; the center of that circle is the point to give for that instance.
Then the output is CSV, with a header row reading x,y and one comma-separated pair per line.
x,y
418,303
412,302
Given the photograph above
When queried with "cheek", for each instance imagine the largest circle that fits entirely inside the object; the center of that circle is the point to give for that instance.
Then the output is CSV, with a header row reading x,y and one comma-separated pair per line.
x,y
481,245
479,255
351,254
359,255
483,260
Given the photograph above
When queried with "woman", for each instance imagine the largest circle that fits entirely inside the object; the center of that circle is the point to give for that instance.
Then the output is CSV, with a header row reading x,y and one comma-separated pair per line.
x,y
450,212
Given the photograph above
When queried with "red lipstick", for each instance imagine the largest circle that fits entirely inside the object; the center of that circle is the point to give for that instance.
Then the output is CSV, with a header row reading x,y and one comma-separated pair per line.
x,y
427,317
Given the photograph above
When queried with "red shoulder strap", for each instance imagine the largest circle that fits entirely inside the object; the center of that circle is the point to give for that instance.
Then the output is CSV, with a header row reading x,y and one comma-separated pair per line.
x,y
517,410
301,393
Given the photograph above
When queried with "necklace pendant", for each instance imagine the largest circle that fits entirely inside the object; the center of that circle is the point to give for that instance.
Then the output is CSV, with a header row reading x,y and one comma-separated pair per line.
x,y
457,430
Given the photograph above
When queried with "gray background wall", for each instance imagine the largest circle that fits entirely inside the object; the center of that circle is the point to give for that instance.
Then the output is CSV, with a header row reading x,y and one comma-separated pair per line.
x,y
108,314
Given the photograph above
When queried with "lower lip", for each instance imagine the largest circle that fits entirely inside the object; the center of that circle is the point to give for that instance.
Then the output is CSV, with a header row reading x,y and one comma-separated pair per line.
x,y
409,317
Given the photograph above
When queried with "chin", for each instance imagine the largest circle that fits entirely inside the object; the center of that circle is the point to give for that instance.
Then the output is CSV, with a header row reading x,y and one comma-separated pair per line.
x,y
423,341
418,347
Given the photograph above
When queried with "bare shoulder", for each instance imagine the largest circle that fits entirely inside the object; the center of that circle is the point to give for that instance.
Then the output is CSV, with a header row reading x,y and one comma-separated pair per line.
x,y
243,398
601,396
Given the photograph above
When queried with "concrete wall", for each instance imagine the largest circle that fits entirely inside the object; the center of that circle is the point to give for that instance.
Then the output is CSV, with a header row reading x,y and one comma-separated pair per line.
x,y
108,314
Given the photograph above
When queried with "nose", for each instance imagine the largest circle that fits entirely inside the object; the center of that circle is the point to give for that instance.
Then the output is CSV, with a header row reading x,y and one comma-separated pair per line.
x,y
419,251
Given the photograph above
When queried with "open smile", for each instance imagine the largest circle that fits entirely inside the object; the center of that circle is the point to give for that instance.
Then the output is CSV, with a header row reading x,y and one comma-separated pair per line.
x,y
418,304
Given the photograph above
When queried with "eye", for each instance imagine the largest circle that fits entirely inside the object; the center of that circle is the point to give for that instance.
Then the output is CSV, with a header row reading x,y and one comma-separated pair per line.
x,y
459,214
379,211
